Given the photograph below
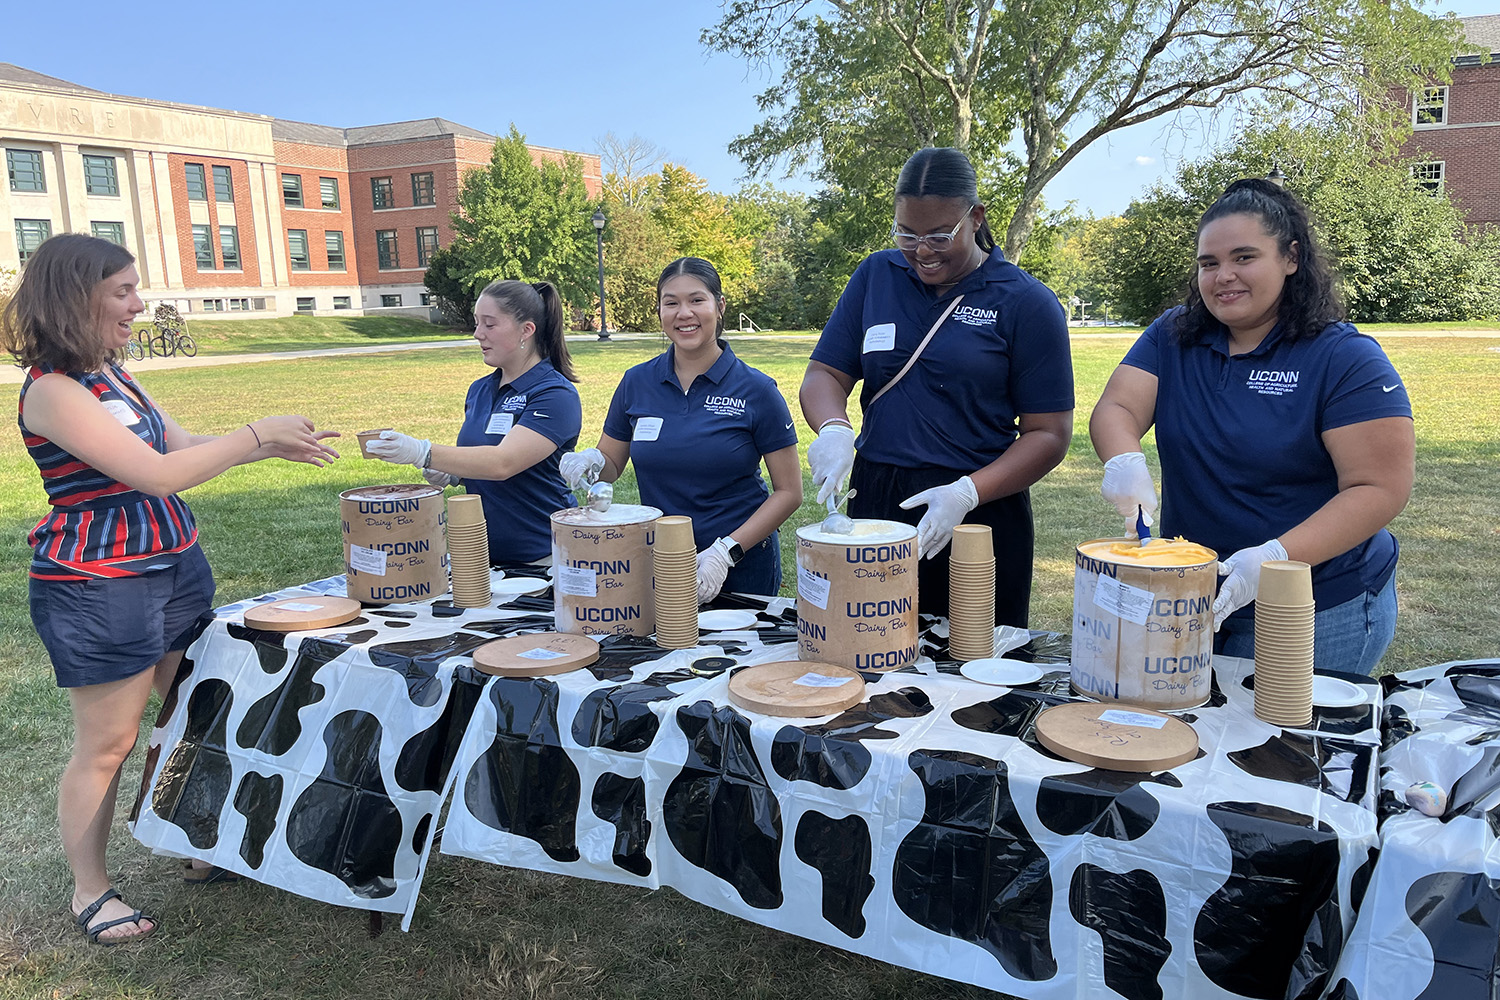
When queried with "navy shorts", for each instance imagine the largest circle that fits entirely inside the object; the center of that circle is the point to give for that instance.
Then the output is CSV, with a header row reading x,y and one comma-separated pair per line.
x,y
97,631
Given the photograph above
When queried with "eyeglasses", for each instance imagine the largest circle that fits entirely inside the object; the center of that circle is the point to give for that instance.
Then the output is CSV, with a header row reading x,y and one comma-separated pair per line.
x,y
938,243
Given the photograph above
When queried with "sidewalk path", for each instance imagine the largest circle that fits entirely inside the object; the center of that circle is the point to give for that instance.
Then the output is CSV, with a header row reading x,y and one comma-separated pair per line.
x,y
10,375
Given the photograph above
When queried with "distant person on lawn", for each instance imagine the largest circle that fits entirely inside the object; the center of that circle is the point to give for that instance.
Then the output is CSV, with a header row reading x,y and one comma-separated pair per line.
x,y
117,577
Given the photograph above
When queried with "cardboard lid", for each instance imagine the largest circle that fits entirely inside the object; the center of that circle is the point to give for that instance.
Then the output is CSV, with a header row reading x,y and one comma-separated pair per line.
x,y
801,689
536,655
301,614
1116,737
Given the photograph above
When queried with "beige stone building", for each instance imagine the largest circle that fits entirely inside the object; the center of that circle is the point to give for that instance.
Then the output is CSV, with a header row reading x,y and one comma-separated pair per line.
x,y
232,213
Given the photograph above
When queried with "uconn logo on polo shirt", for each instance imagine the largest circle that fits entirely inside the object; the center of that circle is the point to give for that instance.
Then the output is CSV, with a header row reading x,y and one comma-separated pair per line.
x,y
729,406
972,316
1272,383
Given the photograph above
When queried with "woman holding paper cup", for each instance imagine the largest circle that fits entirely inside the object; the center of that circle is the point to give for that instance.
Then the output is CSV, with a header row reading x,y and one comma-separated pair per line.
x,y
518,421
968,384
697,422
1283,432
117,577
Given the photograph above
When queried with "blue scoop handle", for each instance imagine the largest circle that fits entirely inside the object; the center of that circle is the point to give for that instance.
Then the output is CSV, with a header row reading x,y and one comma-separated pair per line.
x,y
1142,530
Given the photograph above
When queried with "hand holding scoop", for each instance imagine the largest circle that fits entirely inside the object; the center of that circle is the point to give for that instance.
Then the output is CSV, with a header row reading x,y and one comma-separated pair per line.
x,y
837,522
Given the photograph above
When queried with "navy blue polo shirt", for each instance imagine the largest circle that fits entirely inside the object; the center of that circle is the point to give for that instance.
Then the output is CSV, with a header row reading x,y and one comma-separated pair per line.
x,y
698,453
1241,446
1002,352
518,510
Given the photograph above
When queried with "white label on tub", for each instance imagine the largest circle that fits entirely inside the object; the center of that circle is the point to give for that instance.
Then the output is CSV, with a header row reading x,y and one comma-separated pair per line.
x,y
1121,717
365,560
811,680
813,587
299,606
121,411
578,581
881,337
647,429
542,654
1121,599
500,423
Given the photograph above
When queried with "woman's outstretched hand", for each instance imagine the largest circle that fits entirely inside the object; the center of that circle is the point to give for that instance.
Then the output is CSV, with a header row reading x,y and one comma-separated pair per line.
x,y
294,439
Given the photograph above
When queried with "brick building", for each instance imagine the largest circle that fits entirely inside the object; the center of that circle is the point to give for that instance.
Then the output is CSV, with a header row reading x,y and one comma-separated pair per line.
x,y
230,212
1456,129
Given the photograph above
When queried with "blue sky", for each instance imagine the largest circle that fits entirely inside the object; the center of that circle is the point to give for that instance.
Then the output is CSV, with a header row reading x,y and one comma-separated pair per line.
x,y
564,73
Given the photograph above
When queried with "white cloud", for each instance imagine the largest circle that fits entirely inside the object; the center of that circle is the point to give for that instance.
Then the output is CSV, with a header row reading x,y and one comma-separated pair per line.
x,y
1144,161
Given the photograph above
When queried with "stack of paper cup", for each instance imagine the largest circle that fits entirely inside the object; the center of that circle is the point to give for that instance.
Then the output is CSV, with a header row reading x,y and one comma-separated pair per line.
x,y
676,558
971,593
468,552
1284,643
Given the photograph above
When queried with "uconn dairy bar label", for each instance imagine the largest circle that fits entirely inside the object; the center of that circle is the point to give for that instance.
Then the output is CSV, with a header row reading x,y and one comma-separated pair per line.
x,y
857,603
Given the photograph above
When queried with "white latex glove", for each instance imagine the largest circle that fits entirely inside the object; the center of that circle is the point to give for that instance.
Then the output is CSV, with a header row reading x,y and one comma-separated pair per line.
x,y
713,568
400,449
439,479
1241,573
577,466
1127,485
830,459
946,507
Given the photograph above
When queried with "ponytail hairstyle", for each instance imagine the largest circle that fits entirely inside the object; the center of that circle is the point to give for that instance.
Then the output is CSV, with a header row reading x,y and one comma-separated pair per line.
x,y
942,172
1309,300
536,303
52,317
696,267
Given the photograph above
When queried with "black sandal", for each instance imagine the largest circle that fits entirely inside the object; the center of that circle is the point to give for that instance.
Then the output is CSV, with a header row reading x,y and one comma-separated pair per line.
x,y
210,875
92,910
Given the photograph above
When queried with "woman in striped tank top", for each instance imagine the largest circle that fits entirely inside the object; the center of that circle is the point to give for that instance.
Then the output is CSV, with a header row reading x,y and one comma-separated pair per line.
x,y
117,578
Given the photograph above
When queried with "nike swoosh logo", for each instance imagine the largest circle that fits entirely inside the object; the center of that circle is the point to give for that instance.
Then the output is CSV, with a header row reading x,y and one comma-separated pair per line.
x,y
788,426
538,414
1390,388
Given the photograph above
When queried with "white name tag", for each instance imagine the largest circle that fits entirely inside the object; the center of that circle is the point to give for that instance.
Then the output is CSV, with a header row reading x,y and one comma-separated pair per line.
x,y
647,429
121,411
500,423
881,337
365,560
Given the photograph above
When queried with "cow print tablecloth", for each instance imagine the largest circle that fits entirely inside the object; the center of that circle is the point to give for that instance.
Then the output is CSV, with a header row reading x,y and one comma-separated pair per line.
x,y
1429,923
924,827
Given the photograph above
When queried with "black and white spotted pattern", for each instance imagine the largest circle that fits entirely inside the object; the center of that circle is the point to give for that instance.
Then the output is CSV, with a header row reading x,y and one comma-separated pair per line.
x,y
924,827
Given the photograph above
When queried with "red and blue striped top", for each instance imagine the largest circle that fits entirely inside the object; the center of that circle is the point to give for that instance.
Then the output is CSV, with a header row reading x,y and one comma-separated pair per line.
x,y
100,528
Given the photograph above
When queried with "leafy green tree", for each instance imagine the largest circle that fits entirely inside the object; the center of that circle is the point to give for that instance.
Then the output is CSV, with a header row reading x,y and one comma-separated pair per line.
x,y
636,248
700,224
447,279
522,219
865,82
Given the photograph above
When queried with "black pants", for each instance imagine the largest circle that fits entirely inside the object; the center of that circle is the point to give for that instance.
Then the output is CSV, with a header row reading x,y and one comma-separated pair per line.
x,y
881,488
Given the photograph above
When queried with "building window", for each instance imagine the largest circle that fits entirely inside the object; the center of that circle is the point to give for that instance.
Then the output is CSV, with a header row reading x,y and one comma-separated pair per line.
x,y
239,305
112,231
260,304
223,185
341,302
422,190
427,244
306,305
99,175
334,242
1430,109
329,186
1428,176
213,305
229,247
390,300
296,245
30,234
385,249
25,169
425,298
382,192
197,182
291,190
203,248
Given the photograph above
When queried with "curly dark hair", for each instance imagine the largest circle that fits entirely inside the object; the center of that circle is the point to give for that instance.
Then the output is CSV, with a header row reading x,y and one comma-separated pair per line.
x,y
1310,299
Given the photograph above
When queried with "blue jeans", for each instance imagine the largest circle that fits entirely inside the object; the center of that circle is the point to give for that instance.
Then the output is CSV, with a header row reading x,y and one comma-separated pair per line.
x,y
1351,637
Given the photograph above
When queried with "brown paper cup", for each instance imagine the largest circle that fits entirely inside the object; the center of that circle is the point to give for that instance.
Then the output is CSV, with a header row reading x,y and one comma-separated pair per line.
x,y
674,533
465,511
365,437
973,543
1285,581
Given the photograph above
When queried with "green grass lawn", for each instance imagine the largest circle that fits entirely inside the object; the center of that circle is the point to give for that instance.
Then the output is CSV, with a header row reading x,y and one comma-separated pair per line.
x,y
487,931
307,333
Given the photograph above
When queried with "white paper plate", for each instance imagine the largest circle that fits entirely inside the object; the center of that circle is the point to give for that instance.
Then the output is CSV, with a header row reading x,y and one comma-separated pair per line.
x,y
1330,692
515,586
1005,673
725,620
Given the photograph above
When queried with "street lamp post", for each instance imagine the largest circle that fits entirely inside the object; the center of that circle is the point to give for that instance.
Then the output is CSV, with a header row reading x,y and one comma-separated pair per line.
x,y
1276,176
599,237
